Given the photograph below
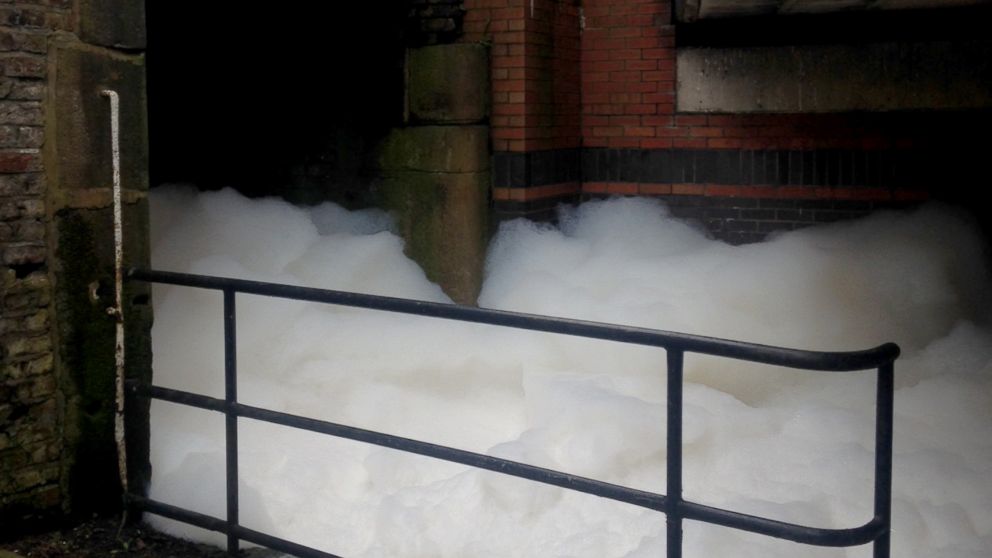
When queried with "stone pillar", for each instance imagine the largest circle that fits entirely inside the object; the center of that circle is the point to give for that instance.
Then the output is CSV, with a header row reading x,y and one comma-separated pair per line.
x,y
436,169
106,53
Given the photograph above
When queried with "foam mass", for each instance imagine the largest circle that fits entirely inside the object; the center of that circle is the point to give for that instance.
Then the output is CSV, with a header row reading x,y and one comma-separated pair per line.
x,y
786,444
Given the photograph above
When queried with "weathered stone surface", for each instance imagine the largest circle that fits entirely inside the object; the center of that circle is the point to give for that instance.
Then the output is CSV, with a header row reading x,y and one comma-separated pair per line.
x,y
22,209
448,83
25,230
23,184
19,347
437,185
28,409
86,352
21,136
443,218
28,66
26,294
26,17
15,370
26,91
23,113
31,324
436,149
81,146
830,78
23,253
22,41
20,161
113,23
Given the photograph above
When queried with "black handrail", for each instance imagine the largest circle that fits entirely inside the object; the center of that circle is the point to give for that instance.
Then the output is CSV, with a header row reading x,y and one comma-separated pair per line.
x,y
676,344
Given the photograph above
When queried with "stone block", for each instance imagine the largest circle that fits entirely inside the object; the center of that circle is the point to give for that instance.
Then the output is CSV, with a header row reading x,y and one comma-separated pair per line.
x,y
21,136
436,149
22,209
23,254
113,23
25,368
443,218
26,91
29,184
21,112
880,76
25,66
26,346
448,83
81,150
30,324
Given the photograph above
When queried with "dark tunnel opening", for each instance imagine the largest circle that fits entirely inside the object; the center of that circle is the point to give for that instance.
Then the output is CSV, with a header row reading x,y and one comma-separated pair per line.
x,y
287,102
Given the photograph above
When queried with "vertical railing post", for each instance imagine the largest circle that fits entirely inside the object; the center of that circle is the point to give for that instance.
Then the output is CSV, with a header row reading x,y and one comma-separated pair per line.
x,y
883,455
231,398
673,510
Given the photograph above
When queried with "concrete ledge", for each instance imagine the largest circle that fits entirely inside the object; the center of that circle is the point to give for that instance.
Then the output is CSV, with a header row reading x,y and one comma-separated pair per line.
x,y
833,78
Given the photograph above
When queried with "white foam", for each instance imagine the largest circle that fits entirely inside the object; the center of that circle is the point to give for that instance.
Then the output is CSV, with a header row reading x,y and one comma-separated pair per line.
x,y
791,445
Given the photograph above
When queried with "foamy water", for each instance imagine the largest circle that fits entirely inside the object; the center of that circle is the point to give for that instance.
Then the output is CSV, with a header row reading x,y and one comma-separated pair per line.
x,y
786,444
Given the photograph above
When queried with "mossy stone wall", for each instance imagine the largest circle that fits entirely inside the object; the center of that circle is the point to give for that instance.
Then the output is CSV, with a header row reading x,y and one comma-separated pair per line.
x,y
436,169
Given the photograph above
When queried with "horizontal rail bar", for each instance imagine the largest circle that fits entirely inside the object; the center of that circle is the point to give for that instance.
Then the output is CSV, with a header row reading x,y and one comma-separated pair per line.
x,y
658,502
793,358
178,396
512,468
219,525
815,536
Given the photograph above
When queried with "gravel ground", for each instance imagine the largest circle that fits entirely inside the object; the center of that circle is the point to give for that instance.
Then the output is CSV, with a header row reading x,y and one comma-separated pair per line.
x,y
102,538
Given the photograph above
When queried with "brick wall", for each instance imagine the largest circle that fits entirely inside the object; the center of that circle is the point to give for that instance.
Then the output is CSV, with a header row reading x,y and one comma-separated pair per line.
x,y
628,73
57,452
743,175
536,111
30,441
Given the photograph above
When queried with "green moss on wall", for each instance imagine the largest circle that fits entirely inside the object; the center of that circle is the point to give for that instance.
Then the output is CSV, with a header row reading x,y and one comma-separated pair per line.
x,y
87,361
86,354
443,219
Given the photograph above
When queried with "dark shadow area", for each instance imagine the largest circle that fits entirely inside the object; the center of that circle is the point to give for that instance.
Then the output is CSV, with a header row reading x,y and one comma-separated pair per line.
x,y
286,101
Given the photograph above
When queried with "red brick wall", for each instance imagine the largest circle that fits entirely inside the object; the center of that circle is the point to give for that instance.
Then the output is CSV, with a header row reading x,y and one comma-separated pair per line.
x,y
628,74
500,23
535,53
597,84
628,96
535,70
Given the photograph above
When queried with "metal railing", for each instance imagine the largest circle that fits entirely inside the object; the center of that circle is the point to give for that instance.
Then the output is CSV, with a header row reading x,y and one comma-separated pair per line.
x,y
676,345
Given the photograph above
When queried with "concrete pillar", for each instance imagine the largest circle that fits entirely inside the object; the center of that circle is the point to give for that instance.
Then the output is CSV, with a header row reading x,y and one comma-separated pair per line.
x,y
104,54
436,169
